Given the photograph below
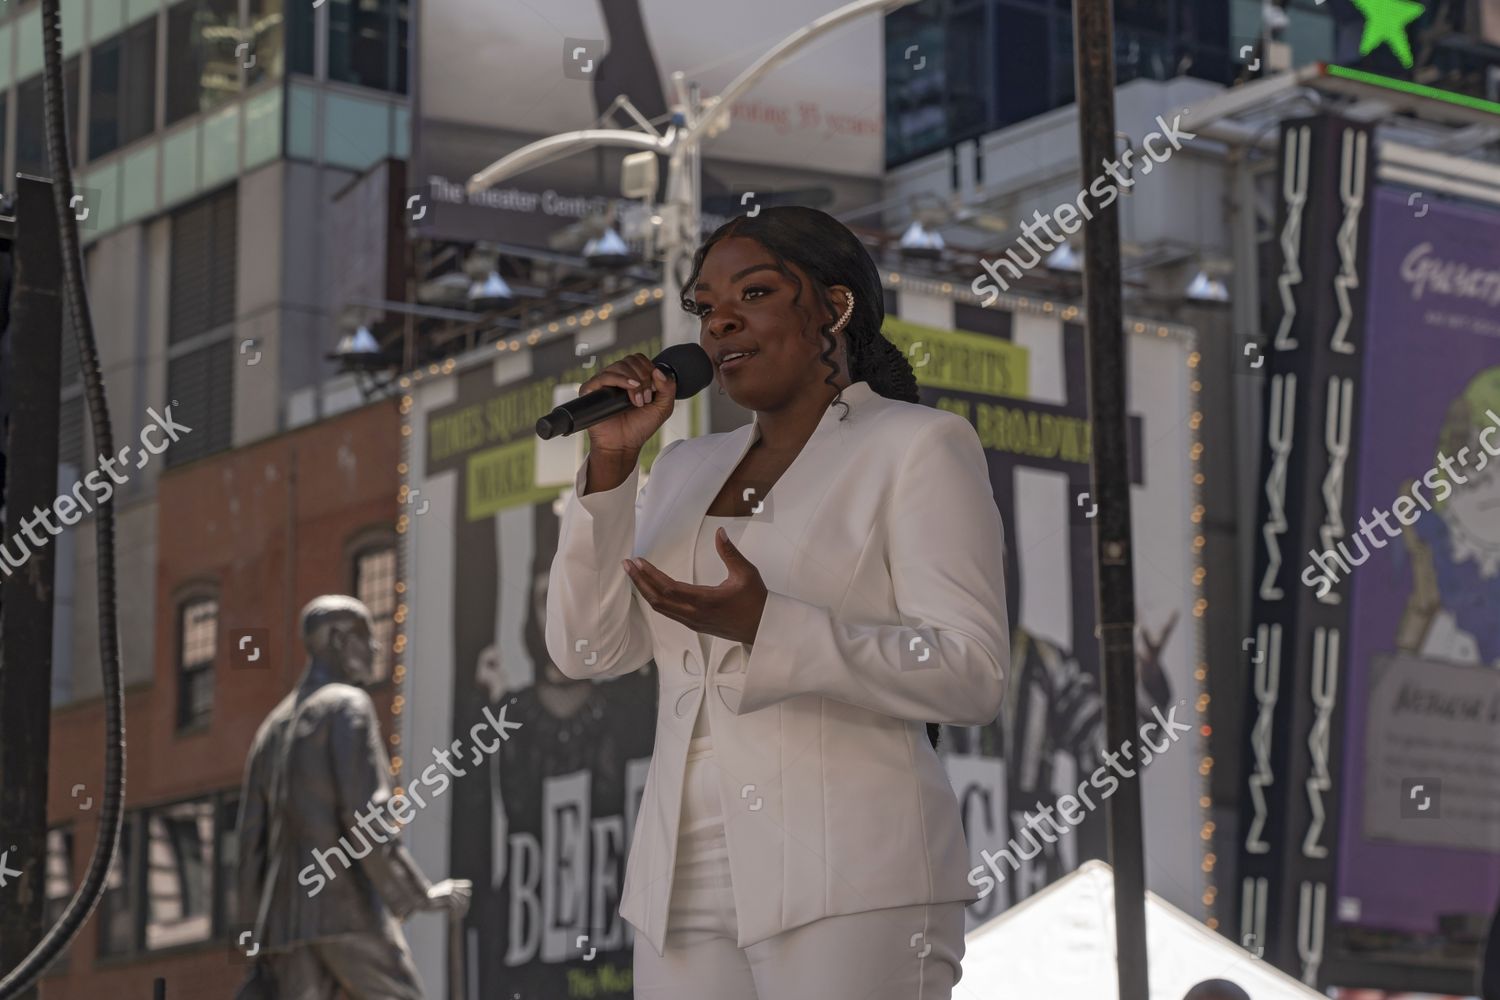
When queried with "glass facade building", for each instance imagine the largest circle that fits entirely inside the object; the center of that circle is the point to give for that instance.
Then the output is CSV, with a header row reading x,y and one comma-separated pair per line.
x,y
168,101
957,69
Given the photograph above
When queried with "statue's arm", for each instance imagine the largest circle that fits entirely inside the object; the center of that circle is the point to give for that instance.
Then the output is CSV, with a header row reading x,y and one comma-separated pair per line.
x,y
415,885
253,835
365,794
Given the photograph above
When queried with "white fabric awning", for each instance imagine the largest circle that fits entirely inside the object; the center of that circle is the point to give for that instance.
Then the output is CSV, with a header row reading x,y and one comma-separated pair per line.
x,y
1060,945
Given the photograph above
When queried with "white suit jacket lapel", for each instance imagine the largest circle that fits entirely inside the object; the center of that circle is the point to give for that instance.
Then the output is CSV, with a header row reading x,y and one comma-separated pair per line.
x,y
770,541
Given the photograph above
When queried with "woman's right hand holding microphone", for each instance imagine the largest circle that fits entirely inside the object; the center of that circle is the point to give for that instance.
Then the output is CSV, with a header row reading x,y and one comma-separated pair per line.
x,y
615,444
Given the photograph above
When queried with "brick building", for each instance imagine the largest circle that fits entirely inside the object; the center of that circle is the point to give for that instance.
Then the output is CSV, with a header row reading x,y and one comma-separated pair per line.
x,y
244,539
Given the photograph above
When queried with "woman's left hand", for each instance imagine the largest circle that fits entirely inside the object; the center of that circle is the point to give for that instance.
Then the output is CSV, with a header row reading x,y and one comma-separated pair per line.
x,y
731,610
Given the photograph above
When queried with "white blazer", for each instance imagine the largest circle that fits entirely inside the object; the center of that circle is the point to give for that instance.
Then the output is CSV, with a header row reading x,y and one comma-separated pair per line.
x,y
882,551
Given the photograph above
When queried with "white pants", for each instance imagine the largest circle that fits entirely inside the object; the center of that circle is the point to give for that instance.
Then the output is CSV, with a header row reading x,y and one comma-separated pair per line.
x,y
896,953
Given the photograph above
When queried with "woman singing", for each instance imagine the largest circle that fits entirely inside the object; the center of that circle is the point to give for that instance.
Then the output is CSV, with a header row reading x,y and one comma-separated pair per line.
x,y
819,589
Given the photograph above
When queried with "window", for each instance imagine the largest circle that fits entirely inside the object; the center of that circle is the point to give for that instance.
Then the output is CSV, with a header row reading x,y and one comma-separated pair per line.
x,y
367,43
30,137
122,89
1150,15
183,855
229,860
375,585
1021,63
967,72
58,882
299,35
31,128
198,641
200,324
203,70
202,382
179,874
266,32
203,262
1143,55
117,906
1206,25
915,120
1064,81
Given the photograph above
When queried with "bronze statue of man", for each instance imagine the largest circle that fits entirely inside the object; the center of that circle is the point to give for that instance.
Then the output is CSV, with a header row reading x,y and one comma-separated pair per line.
x,y
317,785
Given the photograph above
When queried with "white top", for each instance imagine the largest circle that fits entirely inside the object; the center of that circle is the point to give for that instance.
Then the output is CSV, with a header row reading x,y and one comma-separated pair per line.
x,y
708,571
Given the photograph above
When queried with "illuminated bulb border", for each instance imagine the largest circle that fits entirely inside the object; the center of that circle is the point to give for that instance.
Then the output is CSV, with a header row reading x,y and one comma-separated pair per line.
x,y
1197,479
403,522
627,303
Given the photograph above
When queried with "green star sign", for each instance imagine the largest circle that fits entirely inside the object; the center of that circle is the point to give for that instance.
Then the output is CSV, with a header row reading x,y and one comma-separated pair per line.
x,y
1385,22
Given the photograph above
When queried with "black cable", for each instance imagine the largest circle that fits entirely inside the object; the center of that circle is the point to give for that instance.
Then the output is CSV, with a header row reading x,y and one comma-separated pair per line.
x,y
25,975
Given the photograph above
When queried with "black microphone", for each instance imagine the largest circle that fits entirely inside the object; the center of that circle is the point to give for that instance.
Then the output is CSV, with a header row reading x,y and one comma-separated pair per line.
x,y
688,364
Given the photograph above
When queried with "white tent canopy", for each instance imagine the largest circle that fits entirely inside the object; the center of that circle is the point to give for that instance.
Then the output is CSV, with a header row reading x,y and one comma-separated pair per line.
x,y
1060,945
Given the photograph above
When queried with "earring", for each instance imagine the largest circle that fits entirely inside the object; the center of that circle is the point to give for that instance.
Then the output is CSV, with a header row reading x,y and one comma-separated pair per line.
x,y
842,322
844,319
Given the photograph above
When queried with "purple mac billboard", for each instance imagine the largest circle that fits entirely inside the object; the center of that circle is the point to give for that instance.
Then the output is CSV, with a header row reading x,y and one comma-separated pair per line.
x,y
1369,842
1419,852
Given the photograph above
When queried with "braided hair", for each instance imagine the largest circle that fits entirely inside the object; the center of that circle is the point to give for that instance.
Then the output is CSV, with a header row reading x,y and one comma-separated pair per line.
x,y
829,254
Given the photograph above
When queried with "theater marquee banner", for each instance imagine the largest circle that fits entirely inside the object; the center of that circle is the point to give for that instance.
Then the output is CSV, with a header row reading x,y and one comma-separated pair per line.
x,y
1016,371
542,827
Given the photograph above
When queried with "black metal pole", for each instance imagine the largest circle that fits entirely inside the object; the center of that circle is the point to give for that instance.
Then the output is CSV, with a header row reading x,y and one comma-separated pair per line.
x,y
1093,41
30,369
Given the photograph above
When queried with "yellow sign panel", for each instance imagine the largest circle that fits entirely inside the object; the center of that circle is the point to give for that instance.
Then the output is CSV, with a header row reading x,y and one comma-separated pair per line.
x,y
965,362
513,412
1040,435
504,477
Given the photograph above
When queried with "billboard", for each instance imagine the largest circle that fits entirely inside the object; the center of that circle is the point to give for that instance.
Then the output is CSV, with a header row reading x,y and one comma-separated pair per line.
x,y
494,77
1370,840
1017,372
544,830
1419,852
1295,682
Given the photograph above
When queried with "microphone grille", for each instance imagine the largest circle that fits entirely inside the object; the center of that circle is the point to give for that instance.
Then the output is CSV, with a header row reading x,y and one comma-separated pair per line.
x,y
690,366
